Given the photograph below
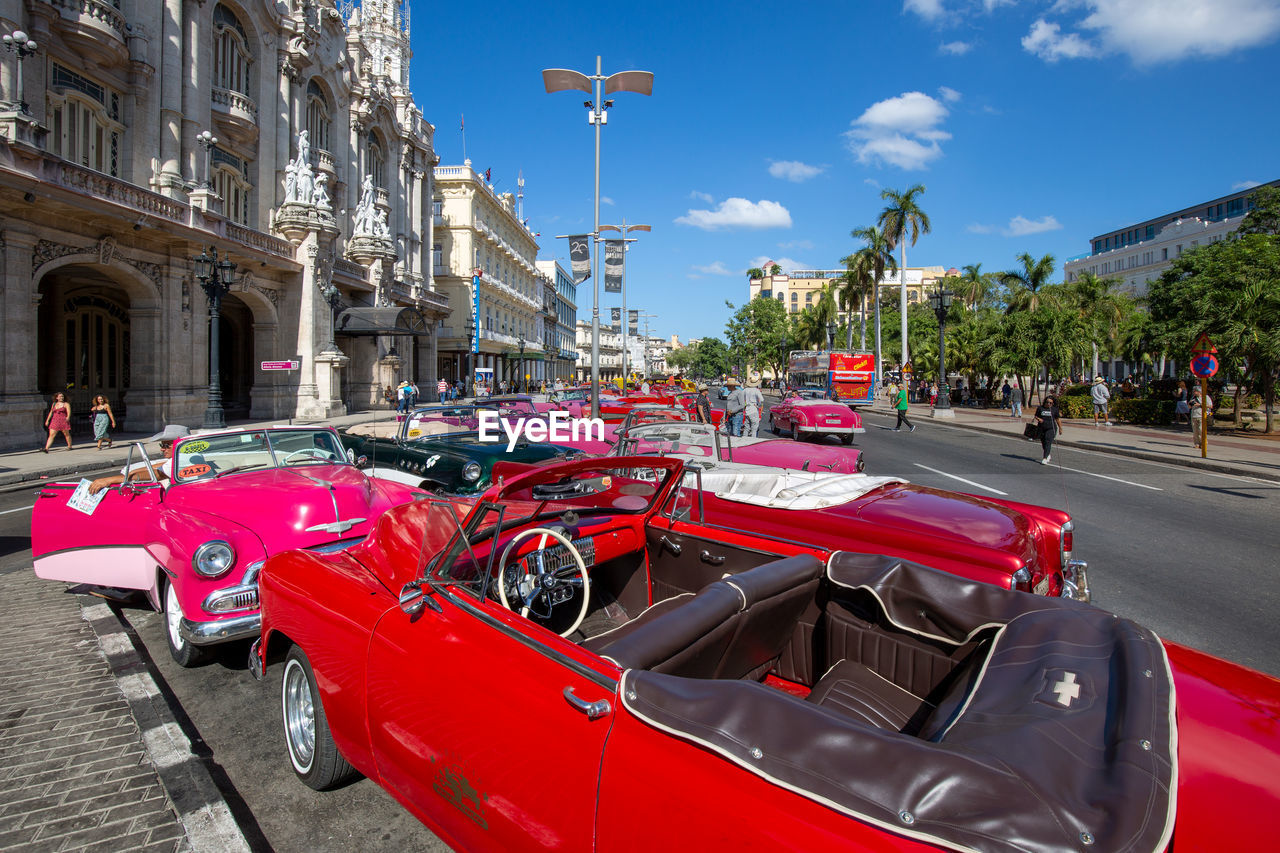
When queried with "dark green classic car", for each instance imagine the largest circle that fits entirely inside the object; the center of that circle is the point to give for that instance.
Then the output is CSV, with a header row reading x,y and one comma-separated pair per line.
x,y
439,448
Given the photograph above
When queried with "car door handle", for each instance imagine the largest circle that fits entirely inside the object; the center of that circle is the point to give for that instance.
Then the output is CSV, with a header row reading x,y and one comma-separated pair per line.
x,y
593,710
670,546
713,559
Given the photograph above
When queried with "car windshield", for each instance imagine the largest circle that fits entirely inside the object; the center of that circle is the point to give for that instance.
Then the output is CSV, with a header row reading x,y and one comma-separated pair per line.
x,y
691,439
511,408
208,456
434,421
566,396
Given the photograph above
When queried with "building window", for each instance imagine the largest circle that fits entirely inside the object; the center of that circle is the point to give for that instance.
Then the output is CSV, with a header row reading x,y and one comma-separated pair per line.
x,y
231,183
376,160
318,121
84,121
808,298
231,57
1235,207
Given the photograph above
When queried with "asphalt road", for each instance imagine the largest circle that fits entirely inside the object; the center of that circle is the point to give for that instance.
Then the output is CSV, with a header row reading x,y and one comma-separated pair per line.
x,y
1189,553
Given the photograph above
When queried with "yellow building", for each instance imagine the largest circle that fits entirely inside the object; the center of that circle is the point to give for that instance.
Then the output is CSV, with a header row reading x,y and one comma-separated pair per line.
x,y
799,289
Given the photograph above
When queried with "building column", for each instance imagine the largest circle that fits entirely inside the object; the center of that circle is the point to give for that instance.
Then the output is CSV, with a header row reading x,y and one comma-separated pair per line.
x,y
173,74
21,406
320,385
150,398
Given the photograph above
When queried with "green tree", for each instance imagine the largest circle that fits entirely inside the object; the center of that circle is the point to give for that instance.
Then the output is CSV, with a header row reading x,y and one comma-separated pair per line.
x,y
1102,310
1025,284
974,286
900,217
711,359
1264,218
873,259
758,330
755,273
681,360
775,270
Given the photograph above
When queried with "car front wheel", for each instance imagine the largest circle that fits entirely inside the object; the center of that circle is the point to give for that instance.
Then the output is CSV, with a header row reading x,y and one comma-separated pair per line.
x,y
312,752
183,652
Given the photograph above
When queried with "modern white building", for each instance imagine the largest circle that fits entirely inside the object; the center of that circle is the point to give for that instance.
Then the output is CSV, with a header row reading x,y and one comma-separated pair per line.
x,y
1138,254
317,189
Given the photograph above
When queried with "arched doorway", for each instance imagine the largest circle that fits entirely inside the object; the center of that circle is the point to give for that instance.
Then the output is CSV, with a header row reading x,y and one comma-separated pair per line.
x,y
84,342
235,357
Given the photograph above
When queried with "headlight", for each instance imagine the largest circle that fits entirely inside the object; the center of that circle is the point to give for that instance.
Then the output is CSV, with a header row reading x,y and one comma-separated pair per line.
x,y
471,472
213,559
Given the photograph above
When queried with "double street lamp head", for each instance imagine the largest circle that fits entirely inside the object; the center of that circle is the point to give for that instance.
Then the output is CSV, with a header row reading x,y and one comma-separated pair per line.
x,y
941,300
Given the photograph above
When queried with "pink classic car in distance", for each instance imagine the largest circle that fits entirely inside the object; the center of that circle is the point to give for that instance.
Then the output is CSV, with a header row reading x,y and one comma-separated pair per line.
x,y
808,418
194,543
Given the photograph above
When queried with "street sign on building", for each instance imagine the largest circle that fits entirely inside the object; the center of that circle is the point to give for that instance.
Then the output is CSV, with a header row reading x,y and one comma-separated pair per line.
x,y
280,365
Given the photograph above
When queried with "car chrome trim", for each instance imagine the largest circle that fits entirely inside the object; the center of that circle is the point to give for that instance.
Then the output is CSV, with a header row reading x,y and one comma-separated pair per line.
x,y
220,630
594,710
256,668
1075,580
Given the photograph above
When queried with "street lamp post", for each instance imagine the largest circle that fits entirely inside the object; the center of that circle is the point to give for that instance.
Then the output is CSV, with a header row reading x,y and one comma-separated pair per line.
x,y
18,42
941,300
208,142
563,80
216,277
831,335
626,322
520,367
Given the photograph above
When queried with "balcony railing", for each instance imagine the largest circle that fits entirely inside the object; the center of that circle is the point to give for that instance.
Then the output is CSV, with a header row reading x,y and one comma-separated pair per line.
x,y
102,14
236,104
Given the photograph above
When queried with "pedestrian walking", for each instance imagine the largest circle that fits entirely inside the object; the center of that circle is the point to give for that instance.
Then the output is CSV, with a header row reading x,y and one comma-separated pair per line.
x,y
734,406
1182,408
411,394
933,394
1005,394
752,406
104,420
1015,401
402,399
901,404
1100,396
442,390
58,421
1050,422
1198,413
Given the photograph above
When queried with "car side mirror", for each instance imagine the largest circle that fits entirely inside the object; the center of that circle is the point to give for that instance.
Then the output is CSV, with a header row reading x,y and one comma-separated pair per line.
x,y
128,491
413,598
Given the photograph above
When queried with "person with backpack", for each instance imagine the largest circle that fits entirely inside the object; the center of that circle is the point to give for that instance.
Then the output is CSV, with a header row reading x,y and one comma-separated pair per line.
x,y
901,403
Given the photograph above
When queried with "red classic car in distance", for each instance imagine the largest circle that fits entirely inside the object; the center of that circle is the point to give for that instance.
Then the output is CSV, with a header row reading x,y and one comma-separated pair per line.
x,y
843,701
194,543
807,418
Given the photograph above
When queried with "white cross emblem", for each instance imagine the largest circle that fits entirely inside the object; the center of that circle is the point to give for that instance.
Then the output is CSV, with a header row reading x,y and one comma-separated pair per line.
x,y
1067,689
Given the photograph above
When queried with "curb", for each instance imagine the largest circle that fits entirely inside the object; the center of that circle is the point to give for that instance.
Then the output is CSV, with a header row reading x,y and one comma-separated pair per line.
x,y
199,805
1201,464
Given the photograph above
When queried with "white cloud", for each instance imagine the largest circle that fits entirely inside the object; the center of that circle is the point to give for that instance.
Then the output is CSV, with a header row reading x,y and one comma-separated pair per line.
x,y
991,111
871,182
1152,33
793,170
1019,226
901,131
930,10
604,199
955,48
948,94
715,268
1242,185
992,5
1048,42
806,244
702,197
739,213
787,264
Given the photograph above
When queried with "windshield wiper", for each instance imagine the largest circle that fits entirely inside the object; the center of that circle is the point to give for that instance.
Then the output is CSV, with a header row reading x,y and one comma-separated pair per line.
x,y
239,468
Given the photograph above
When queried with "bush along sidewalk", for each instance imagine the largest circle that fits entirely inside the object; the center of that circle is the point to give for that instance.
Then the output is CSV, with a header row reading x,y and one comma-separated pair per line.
x,y
1141,410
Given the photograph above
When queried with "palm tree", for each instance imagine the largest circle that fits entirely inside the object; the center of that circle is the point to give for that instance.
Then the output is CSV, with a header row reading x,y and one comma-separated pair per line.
x,y
1100,307
1028,281
875,256
975,286
775,270
853,287
755,273
901,215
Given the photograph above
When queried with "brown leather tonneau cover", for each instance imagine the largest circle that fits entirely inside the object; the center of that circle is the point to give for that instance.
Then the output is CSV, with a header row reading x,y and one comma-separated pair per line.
x,y
1067,741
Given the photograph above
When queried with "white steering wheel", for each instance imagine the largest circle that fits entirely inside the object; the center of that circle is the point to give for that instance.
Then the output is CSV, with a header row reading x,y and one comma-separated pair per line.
x,y
543,583
307,453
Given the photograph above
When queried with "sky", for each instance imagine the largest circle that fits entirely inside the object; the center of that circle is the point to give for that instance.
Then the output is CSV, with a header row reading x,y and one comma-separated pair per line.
x,y
773,128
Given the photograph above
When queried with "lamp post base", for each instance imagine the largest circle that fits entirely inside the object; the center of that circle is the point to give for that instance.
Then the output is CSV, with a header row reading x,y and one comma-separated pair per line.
x,y
948,412
214,418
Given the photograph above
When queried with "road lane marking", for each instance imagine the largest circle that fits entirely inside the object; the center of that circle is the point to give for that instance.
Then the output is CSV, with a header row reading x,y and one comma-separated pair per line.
x,y
963,480
19,509
1113,479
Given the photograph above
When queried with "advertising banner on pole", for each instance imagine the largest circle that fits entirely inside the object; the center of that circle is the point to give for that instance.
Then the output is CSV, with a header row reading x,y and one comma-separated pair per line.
x,y
617,315
633,318
580,257
613,261
475,309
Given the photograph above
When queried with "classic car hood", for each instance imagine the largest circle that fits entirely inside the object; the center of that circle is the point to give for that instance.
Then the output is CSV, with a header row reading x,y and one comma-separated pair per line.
x,y
912,508
279,505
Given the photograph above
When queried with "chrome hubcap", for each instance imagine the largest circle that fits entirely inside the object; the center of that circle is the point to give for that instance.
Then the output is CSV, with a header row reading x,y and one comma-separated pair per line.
x,y
173,616
299,717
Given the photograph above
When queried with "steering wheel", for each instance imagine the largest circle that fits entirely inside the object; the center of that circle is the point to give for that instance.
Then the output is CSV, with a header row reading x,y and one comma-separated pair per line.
x,y
307,453
542,584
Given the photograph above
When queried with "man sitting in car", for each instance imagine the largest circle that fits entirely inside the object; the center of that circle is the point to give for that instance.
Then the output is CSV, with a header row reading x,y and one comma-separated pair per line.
x,y
138,470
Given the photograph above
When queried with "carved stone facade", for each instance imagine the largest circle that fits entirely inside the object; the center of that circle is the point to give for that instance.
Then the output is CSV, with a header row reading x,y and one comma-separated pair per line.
x,y
106,195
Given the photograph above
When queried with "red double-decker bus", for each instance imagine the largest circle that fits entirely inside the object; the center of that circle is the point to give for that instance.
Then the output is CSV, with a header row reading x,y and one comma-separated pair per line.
x,y
848,377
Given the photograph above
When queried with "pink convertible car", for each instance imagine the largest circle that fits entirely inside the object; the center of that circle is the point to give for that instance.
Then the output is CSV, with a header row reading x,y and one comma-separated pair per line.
x,y
806,418
194,543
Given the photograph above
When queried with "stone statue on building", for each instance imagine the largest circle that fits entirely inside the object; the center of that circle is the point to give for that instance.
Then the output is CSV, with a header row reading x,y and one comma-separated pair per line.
x,y
320,198
369,220
299,184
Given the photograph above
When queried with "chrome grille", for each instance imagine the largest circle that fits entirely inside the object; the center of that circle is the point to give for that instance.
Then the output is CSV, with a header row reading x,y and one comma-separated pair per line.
x,y
557,557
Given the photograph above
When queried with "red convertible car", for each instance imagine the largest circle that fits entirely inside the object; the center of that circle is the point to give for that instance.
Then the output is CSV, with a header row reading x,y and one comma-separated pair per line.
x,y
806,418
547,671
194,543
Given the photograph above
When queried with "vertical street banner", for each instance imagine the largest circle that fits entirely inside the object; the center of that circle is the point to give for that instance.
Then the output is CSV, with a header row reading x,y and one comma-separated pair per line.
x,y
580,257
613,260
475,309
617,315
633,319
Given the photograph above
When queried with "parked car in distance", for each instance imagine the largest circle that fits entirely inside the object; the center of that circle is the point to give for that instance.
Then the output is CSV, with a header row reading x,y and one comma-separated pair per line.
x,y
844,701
808,418
439,449
194,543
642,433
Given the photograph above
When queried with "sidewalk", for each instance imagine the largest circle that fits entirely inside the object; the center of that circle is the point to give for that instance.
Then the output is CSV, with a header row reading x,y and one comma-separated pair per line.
x,y
1228,454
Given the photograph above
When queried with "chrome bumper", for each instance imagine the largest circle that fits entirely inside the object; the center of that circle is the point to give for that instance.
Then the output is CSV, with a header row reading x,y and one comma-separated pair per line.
x,y
1075,580
220,630
256,667
830,430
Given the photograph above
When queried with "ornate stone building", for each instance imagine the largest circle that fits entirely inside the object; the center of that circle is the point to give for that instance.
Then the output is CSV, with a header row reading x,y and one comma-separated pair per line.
x,y
317,188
